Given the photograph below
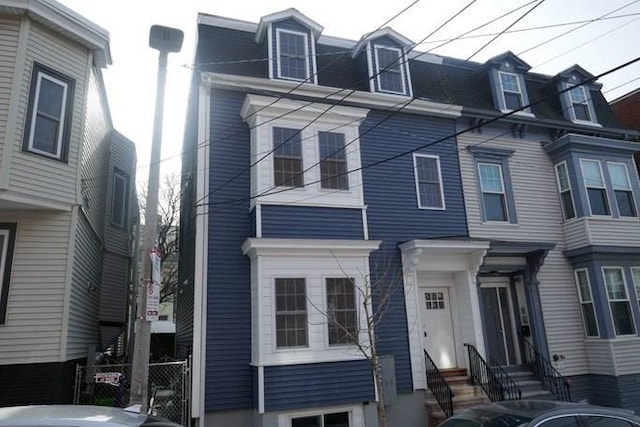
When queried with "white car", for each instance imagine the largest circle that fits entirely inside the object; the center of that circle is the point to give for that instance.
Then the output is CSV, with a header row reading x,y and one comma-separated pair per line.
x,y
77,416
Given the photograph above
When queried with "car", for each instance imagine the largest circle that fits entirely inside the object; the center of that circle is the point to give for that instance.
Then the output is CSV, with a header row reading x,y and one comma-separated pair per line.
x,y
541,413
77,416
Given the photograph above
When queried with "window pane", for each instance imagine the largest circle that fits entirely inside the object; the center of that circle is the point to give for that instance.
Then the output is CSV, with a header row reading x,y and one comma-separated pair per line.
x,y
390,75
291,312
495,207
578,95
512,101
619,177
119,201
491,177
635,272
293,58
598,201
589,317
509,82
563,177
622,319
314,421
51,98
615,283
429,185
341,311
45,137
583,286
591,172
567,205
582,112
626,205
341,419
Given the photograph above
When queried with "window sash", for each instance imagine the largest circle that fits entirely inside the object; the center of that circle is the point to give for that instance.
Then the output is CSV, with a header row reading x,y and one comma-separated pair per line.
x,y
293,55
428,176
119,199
511,91
389,70
333,161
580,103
595,187
564,187
586,303
7,244
287,158
494,196
617,296
335,419
619,175
291,312
341,311
49,118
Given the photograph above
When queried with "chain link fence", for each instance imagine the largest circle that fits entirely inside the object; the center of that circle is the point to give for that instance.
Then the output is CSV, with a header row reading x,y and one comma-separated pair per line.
x,y
109,385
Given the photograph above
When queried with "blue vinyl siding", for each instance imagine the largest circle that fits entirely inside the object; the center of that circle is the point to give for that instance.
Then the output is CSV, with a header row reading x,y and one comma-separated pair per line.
x,y
228,374
304,222
317,384
394,217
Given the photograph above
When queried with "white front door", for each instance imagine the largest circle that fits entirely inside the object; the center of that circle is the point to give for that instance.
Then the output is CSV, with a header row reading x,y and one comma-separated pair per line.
x,y
437,326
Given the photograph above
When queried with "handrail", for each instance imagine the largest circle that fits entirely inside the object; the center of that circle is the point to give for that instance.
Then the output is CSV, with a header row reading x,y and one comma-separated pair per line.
x,y
494,380
438,386
545,372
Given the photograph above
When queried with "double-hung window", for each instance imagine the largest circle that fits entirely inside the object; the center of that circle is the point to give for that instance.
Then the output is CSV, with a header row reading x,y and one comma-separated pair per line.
x,y
389,70
428,181
635,274
595,187
564,186
494,199
333,161
586,302
339,419
618,301
49,113
621,184
579,103
7,241
287,157
119,202
293,55
291,312
341,311
511,92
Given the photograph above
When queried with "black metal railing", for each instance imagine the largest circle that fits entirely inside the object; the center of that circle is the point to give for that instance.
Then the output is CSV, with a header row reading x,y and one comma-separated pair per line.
x,y
545,372
493,379
438,386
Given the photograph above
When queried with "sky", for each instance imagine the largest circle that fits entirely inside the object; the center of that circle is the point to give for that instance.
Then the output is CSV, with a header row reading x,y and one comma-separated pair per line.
x,y
131,79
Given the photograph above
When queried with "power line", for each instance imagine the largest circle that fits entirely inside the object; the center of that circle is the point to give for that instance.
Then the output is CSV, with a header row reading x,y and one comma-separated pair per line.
x,y
454,135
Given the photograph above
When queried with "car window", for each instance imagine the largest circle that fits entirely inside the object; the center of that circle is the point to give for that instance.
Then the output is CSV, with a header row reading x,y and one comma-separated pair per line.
x,y
562,421
606,421
460,422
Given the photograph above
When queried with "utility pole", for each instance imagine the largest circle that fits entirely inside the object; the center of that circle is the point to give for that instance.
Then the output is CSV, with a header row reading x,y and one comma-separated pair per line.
x,y
165,40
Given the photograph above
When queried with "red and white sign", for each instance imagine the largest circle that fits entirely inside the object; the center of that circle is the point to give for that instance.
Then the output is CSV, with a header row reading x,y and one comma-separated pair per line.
x,y
111,378
153,287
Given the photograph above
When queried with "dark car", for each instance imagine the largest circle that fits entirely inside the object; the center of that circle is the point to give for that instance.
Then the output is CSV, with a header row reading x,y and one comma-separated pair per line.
x,y
540,413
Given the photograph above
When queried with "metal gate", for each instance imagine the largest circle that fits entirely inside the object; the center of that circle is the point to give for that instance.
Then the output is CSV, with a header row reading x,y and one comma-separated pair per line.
x,y
109,385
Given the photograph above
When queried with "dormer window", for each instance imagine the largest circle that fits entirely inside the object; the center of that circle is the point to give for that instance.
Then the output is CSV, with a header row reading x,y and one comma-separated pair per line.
x,y
580,103
506,73
511,92
293,55
389,69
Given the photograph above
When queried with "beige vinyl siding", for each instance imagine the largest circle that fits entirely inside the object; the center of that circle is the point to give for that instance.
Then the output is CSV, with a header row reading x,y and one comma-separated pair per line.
x,y
615,232
85,291
539,216
33,329
599,355
576,233
626,356
35,175
9,32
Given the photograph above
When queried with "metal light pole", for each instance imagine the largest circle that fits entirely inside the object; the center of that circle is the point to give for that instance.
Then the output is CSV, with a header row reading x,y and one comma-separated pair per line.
x,y
165,40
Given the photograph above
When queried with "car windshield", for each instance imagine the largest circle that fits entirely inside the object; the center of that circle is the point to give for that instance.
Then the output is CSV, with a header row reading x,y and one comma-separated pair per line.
x,y
486,419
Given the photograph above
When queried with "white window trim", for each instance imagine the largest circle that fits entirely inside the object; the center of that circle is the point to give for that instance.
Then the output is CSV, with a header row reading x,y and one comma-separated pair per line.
x,y
609,301
401,66
4,254
586,103
34,115
415,175
630,189
577,280
306,54
123,209
604,187
274,331
356,415
573,201
504,193
503,90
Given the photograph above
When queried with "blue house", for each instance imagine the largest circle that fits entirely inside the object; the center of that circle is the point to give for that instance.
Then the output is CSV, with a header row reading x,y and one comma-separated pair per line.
x,y
330,189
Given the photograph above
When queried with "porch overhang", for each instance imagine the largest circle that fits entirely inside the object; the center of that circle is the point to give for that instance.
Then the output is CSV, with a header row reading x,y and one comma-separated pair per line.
x,y
505,257
443,255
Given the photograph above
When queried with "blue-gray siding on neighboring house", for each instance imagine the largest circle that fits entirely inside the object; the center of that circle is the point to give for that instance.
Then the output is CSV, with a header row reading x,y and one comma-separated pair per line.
x,y
317,384
228,374
394,217
306,222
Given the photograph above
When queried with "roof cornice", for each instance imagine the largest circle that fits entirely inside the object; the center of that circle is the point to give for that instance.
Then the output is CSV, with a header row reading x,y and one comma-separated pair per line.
x,y
64,20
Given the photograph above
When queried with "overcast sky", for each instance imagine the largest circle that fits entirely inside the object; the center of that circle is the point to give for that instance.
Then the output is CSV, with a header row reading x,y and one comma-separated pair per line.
x,y
130,81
